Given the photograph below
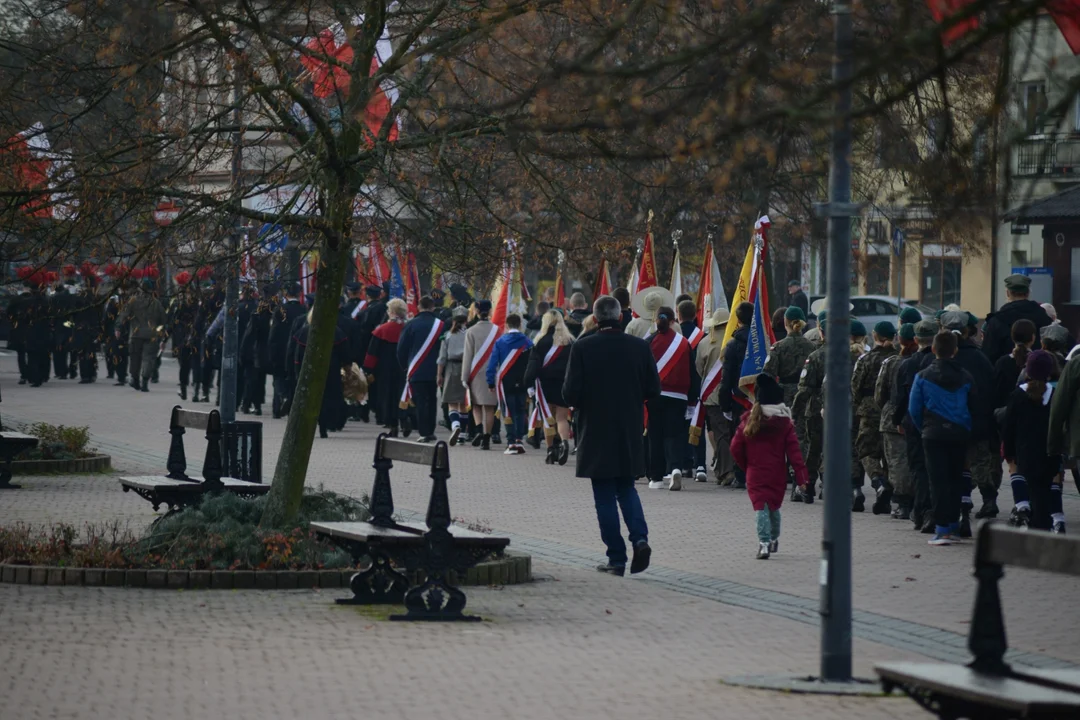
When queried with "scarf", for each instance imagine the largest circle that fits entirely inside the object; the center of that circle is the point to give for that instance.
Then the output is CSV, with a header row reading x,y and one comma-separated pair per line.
x,y
779,410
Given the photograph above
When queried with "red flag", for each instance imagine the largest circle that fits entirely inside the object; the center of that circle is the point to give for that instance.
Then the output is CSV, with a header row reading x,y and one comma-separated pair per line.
x,y
942,10
647,276
412,285
560,291
500,301
705,291
380,268
603,280
361,269
1066,14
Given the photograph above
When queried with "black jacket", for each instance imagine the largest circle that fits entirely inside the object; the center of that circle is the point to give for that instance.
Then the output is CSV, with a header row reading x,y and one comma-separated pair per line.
x,y
1006,376
627,316
800,301
1027,424
905,378
971,358
997,332
369,318
734,353
575,319
609,378
550,377
281,325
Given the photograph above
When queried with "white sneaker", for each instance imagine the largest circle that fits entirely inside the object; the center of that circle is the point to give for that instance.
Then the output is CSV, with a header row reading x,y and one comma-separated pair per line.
x,y
676,480
701,475
510,450
763,551
454,435
656,484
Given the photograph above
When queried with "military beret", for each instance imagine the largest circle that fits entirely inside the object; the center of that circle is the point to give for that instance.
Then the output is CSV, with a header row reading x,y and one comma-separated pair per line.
x,y
857,328
973,321
483,306
885,329
821,319
353,287
373,291
907,332
794,313
926,328
954,320
1018,282
910,315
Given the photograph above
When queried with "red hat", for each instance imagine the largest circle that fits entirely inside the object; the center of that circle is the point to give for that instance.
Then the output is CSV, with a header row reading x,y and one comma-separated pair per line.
x,y
204,273
24,272
182,278
69,270
87,269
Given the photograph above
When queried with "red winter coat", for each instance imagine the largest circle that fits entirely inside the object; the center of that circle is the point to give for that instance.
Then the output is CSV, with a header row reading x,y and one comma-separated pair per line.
x,y
765,458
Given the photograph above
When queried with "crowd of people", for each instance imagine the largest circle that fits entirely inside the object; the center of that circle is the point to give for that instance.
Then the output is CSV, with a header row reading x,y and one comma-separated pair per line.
x,y
937,403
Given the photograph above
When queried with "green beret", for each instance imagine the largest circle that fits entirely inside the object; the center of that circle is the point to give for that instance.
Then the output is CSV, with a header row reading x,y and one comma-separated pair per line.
x,y
885,329
907,332
910,315
821,318
794,313
972,320
857,328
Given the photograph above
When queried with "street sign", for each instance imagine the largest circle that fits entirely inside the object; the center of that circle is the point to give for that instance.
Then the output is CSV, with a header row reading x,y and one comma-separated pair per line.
x,y
166,212
273,238
898,242
1019,228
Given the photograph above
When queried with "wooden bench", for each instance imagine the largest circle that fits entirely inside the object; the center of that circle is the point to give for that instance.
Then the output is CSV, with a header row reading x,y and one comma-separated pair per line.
x,y
11,444
988,688
433,548
177,489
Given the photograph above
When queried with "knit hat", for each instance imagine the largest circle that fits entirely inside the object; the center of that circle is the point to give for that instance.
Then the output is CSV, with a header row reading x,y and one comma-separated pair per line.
x,y
1040,364
767,391
794,313
885,329
857,328
907,332
926,329
910,315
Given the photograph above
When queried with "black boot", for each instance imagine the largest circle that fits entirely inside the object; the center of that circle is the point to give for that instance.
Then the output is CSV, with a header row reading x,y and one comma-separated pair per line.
x,y
145,385
883,502
183,392
989,509
564,450
552,451
257,411
928,526
965,524
858,500
485,442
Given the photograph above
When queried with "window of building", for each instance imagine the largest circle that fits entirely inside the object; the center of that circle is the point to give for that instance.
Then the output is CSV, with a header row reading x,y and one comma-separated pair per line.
x,y
1034,98
941,281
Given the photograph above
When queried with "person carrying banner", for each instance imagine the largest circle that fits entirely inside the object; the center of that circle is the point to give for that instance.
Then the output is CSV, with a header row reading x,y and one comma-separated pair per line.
x,y
506,376
479,344
694,460
545,374
679,385
709,365
731,398
418,354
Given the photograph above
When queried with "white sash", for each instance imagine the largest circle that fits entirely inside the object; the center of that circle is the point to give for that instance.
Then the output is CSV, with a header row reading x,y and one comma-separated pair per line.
x,y
418,359
669,354
480,359
503,369
356,310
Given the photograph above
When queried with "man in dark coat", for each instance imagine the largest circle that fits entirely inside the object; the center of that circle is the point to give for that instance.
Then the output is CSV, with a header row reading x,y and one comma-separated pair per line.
x,y
281,325
38,337
609,378
62,309
419,343
16,312
579,310
371,317
797,298
734,352
255,350
911,366
183,329
997,332
116,343
213,300
87,332
623,296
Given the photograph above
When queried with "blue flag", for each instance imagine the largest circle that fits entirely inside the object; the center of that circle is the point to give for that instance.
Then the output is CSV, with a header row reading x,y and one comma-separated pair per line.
x,y
757,346
397,284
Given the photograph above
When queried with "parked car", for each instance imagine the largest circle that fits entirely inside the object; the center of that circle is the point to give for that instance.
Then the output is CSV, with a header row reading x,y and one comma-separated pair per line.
x,y
872,309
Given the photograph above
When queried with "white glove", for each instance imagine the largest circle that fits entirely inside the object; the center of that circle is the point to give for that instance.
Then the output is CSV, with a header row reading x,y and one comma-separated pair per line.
x,y
727,416
689,413
531,392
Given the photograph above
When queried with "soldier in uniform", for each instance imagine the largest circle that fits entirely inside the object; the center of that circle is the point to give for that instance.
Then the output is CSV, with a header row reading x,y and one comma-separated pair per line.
x,y
116,343
16,312
183,321
806,409
788,356
894,446
868,442
857,348
925,330
87,331
61,310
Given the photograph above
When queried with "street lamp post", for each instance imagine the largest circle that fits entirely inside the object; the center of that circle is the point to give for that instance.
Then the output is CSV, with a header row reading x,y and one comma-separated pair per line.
x,y
835,577
230,345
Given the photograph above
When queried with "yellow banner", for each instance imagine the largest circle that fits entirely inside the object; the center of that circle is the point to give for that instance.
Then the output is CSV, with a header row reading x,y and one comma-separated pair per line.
x,y
742,291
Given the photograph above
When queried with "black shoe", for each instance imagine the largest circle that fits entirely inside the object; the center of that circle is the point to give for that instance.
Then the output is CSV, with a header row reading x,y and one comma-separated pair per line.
x,y
496,439
738,484
323,434
135,385
619,570
808,496
549,459
796,494
965,525
145,386
883,504
86,381
257,412
928,526
1020,517
989,509
427,439
183,392
642,554
534,440
564,452
406,427
120,382
22,381
245,409
35,384
206,397
477,439
154,379
109,376
858,501
485,442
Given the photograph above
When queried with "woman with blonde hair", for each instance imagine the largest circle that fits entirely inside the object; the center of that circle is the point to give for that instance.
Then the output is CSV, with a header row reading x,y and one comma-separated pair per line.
x,y
545,374
381,360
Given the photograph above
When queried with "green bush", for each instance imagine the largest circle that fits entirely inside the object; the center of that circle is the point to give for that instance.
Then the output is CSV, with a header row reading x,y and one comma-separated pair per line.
x,y
57,442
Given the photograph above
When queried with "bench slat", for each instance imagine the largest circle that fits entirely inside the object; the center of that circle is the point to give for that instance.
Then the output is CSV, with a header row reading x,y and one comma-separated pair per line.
x,y
149,482
194,419
405,451
957,681
1032,549
362,531
11,435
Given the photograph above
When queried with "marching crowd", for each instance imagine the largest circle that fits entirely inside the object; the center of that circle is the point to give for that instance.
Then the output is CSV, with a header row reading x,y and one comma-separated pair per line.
x,y
630,386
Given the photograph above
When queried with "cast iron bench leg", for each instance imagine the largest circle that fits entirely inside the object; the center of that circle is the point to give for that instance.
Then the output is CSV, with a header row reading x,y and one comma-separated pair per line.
x,y
5,474
380,584
435,600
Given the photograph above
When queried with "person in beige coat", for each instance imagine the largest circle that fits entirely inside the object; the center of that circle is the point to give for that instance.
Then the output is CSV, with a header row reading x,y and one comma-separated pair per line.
x,y
708,353
479,343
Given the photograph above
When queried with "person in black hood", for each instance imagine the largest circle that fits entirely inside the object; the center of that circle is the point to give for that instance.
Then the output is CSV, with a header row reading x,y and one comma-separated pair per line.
x,y
997,332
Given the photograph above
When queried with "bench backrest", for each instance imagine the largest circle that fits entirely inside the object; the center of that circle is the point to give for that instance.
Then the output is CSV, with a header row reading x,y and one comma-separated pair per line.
x,y
433,455
241,444
387,450
194,419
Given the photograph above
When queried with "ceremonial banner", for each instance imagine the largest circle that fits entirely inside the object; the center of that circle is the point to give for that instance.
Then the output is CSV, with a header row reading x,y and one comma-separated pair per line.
x,y
380,268
647,275
751,263
676,274
711,295
603,280
397,281
758,344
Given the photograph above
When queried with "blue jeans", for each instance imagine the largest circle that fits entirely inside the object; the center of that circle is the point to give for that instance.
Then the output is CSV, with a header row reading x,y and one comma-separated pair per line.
x,y
611,494
517,424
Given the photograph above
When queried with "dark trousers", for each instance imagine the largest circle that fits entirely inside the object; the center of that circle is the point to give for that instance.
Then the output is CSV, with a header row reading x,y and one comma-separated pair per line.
x,y
917,467
254,387
21,356
37,367
611,495
60,363
88,365
425,397
119,355
667,435
143,358
281,392
189,365
945,466
517,416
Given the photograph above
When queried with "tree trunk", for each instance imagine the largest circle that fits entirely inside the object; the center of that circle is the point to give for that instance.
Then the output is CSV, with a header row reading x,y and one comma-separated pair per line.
x,y
283,501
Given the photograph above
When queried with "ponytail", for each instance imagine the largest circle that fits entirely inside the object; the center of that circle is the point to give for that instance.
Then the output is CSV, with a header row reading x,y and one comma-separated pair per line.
x,y
664,317
753,421
1022,333
1020,354
1035,390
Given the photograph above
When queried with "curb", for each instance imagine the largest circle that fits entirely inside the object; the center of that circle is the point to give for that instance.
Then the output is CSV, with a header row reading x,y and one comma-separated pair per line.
x,y
97,463
512,568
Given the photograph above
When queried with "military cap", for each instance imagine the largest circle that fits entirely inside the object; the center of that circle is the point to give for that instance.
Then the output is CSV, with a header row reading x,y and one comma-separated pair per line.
x,y
1021,283
907,332
885,329
954,320
926,329
910,315
794,313
857,328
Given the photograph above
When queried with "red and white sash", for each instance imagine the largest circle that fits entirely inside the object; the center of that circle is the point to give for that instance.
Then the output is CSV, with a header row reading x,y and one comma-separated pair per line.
x,y
359,307
507,363
695,337
480,361
418,360
542,409
675,353
708,387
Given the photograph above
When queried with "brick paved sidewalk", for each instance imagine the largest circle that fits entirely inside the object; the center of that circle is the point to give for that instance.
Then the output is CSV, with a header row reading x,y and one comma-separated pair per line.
x,y
702,532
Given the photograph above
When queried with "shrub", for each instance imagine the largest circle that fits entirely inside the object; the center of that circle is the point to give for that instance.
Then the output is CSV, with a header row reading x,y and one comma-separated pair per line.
x,y
57,442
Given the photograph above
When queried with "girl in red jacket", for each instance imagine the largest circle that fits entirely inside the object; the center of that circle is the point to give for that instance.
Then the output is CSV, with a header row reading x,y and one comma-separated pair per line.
x,y
764,445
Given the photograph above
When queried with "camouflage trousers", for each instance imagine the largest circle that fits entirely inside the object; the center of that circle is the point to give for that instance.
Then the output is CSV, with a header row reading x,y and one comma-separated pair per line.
x,y
811,433
984,462
868,447
900,478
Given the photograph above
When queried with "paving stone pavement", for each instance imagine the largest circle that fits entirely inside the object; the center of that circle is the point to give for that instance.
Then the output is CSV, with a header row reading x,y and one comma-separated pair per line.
x,y
686,623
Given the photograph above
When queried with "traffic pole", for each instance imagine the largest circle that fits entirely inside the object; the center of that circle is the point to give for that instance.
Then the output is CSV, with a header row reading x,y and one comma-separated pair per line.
x,y
835,575
230,347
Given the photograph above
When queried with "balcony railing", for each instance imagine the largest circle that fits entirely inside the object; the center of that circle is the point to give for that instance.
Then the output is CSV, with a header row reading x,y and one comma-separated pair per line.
x,y
1049,156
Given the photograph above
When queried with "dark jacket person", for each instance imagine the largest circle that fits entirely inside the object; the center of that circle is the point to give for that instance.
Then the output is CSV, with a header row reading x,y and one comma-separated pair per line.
x,y
609,378
997,332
